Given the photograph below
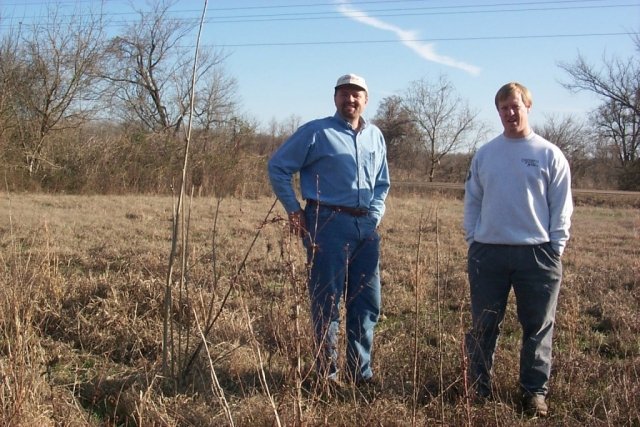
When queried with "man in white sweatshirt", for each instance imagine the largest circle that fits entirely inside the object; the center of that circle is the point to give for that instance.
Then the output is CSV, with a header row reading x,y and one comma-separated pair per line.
x,y
517,214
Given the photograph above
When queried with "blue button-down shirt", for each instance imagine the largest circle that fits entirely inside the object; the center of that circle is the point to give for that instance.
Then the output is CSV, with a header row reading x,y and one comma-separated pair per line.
x,y
337,166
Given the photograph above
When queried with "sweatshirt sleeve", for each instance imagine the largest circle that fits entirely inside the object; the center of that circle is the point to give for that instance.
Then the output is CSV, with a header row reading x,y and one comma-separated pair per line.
x,y
560,204
473,193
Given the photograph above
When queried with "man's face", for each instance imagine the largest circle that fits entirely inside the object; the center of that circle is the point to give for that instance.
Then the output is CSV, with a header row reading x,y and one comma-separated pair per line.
x,y
514,115
350,102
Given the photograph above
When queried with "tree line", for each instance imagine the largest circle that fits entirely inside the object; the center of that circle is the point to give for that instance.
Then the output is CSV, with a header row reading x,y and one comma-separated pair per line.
x,y
86,112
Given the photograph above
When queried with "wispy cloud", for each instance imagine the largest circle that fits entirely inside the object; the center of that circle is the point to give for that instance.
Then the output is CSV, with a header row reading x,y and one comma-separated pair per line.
x,y
407,37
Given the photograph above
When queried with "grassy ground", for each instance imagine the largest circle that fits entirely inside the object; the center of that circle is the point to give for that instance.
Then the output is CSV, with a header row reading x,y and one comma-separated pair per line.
x,y
82,286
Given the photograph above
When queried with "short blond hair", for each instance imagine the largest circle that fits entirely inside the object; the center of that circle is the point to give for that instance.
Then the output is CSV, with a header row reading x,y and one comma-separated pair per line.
x,y
513,88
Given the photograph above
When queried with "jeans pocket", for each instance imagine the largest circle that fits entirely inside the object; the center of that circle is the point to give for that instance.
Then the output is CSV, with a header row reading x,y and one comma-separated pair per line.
x,y
372,222
547,256
371,228
552,252
475,250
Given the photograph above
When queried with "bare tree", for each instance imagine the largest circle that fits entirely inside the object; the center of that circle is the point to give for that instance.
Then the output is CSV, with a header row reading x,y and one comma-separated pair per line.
x,y
617,84
151,67
399,130
275,133
289,125
48,78
617,81
620,127
9,73
575,138
216,105
445,122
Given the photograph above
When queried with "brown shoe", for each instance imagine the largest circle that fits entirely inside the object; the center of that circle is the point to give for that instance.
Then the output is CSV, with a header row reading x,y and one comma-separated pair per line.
x,y
535,405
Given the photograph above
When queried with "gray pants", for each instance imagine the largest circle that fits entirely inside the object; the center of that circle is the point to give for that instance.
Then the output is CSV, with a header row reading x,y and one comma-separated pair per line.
x,y
535,273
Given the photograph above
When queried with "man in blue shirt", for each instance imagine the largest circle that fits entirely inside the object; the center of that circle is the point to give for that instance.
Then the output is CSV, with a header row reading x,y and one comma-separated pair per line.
x,y
344,180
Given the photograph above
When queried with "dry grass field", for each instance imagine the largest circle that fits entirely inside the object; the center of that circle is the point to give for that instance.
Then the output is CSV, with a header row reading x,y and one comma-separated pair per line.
x,y
82,288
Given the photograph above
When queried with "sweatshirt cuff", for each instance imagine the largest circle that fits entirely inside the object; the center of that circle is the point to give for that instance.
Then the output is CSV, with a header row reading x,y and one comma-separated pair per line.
x,y
557,248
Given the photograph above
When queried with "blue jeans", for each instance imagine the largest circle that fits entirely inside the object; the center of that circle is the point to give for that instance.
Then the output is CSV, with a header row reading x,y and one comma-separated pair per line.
x,y
535,273
343,250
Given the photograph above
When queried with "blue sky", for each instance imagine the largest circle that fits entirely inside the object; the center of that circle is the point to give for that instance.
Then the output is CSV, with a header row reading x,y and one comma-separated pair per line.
x,y
287,54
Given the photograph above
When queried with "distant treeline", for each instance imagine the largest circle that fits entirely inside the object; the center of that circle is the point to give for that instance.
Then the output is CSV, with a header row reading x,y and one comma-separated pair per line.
x,y
102,159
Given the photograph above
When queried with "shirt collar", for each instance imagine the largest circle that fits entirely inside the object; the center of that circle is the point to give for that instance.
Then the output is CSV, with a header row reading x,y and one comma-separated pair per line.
x,y
338,117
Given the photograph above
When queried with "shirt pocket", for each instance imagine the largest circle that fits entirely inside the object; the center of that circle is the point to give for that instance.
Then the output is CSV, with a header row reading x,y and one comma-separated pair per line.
x,y
369,164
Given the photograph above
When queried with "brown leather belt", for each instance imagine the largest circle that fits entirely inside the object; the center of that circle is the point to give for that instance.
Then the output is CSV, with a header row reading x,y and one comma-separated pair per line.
x,y
358,212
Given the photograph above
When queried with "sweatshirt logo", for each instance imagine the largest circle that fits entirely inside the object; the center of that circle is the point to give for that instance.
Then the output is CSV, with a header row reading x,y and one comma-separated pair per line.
x,y
531,162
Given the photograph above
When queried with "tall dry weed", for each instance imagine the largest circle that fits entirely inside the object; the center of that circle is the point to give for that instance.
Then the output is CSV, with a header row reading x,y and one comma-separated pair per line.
x,y
28,286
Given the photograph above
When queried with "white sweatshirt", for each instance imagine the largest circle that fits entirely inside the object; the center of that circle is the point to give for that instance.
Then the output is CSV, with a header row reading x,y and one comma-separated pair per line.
x,y
518,192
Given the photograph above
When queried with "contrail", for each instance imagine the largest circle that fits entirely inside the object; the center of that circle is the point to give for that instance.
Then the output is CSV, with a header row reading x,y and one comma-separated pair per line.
x,y
408,38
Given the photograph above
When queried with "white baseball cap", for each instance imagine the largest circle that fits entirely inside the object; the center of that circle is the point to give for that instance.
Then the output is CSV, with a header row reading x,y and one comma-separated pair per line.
x,y
352,79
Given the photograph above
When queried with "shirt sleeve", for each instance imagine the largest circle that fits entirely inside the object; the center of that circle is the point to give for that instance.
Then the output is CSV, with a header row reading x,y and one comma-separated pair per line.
x,y
380,191
288,159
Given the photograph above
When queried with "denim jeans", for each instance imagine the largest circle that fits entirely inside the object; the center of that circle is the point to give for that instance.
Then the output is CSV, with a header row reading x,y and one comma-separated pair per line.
x,y
535,273
343,250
